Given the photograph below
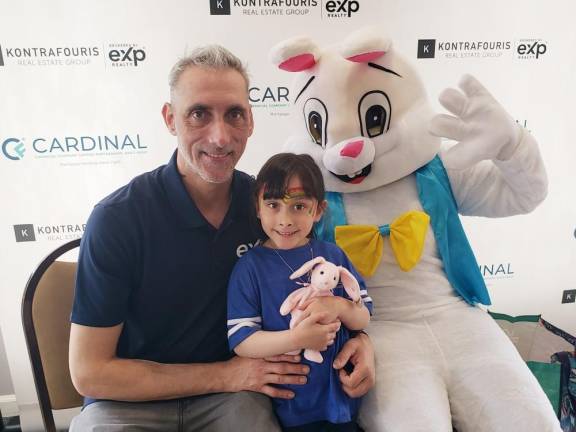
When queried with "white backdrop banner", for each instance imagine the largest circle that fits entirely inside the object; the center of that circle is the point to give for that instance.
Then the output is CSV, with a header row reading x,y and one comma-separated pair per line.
x,y
82,85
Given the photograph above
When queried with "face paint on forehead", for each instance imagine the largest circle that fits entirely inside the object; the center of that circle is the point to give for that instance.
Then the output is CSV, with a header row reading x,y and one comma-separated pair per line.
x,y
293,193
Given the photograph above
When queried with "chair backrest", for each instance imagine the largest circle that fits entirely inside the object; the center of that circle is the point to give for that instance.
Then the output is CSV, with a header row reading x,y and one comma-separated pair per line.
x,y
46,308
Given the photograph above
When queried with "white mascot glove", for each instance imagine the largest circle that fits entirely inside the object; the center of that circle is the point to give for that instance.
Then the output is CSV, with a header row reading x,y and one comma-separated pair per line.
x,y
483,129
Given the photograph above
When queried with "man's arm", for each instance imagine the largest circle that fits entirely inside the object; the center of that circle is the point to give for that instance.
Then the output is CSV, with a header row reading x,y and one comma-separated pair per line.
x,y
97,372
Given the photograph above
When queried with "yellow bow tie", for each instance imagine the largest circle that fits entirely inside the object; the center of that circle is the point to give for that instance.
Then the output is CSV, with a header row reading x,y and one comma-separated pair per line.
x,y
363,243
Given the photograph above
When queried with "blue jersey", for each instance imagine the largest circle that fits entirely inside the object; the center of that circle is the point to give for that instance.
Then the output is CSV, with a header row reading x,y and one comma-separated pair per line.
x,y
258,286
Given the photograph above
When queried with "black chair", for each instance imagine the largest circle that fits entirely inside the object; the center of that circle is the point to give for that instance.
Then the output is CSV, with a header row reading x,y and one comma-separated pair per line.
x,y
46,308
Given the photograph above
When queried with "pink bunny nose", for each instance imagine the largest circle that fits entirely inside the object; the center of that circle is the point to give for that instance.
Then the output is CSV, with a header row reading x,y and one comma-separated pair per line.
x,y
352,149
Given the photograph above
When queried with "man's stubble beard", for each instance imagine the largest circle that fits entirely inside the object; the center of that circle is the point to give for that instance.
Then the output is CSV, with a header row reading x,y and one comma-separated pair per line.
x,y
196,169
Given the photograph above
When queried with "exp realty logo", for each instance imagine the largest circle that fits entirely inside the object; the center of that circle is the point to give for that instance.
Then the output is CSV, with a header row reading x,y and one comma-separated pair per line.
x,y
28,232
431,48
341,8
125,54
531,48
66,146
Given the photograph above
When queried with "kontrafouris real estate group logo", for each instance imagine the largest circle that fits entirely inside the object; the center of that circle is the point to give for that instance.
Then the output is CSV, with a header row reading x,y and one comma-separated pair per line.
x,y
117,55
324,9
524,49
461,49
219,7
65,55
426,48
51,232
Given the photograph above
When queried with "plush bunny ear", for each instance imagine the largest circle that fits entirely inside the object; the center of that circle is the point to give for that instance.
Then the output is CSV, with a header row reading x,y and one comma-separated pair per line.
x,y
350,283
292,300
365,45
307,266
295,55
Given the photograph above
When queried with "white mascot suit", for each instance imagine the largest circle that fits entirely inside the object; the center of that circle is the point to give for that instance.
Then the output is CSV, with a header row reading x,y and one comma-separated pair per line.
x,y
394,195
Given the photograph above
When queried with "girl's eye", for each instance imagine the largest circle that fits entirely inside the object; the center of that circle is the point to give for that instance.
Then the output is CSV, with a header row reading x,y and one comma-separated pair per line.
x,y
300,207
271,205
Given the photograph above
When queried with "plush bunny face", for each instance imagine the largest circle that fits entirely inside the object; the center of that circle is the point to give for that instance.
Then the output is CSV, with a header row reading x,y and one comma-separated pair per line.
x,y
325,276
360,111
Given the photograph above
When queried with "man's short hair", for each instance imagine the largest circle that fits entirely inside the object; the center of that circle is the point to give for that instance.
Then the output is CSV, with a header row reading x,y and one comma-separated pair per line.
x,y
209,56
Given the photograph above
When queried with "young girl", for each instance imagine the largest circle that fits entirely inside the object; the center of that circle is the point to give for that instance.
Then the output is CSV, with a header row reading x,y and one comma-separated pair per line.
x,y
289,195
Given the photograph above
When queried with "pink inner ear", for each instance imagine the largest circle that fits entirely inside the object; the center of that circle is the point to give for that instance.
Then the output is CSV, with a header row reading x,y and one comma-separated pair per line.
x,y
298,63
366,57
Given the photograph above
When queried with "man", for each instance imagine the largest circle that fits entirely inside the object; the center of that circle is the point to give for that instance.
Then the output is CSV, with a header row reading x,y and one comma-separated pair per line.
x,y
149,316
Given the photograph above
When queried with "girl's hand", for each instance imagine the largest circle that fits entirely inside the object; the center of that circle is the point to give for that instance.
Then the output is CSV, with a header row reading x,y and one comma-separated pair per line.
x,y
330,306
311,333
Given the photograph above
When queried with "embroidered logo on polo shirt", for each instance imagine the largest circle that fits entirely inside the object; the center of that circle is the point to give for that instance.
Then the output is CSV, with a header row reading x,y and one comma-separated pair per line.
x,y
245,247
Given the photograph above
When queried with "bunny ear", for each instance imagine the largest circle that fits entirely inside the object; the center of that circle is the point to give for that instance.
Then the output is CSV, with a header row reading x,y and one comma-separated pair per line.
x,y
295,55
307,266
350,283
365,46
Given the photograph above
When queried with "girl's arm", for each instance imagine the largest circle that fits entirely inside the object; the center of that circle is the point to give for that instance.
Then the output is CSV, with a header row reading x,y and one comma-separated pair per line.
x,y
310,333
353,316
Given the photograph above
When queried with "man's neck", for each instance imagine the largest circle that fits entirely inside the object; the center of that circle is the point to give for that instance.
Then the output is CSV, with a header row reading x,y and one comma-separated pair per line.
x,y
212,199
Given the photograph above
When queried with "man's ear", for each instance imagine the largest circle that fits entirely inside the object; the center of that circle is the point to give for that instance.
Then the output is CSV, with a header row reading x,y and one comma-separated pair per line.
x,y
168,117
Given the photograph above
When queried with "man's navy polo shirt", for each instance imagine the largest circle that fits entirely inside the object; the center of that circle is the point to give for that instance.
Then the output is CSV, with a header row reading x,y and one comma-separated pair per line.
x,y
150,260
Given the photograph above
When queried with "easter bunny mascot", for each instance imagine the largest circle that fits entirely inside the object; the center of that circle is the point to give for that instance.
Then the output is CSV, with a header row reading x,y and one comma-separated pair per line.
x,y
394,197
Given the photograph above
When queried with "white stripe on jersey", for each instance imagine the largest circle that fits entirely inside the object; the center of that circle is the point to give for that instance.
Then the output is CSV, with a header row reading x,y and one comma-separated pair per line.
x,y
239,320
240,325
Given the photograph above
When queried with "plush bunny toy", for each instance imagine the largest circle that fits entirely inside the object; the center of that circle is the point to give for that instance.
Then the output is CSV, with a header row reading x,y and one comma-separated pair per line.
x,y
324,277
361,112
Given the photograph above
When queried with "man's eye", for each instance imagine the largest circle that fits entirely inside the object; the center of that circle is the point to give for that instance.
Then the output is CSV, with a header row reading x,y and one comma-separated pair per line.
x,y
237,118
198,115
236,114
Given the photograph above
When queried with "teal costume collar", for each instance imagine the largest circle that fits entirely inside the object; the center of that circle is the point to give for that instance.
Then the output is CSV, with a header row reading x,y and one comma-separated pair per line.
x,y
438,202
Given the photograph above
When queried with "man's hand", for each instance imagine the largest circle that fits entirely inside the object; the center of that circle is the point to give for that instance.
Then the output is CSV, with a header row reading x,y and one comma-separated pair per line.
x,y
258,375
360,353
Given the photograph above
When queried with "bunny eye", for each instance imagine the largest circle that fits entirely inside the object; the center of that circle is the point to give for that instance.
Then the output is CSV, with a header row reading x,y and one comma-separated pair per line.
x,y
334,277
321,271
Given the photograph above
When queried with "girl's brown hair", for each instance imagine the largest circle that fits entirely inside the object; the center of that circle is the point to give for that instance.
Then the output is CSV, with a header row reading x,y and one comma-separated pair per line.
x,y
276,173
